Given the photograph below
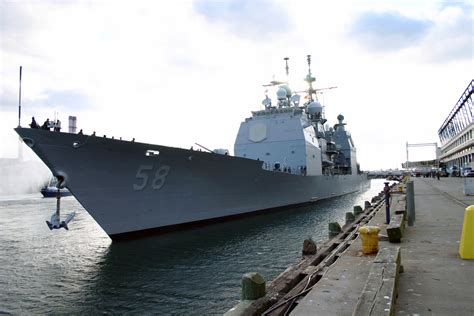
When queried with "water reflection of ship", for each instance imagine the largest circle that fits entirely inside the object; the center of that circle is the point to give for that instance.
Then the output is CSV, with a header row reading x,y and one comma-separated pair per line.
x,y
50,189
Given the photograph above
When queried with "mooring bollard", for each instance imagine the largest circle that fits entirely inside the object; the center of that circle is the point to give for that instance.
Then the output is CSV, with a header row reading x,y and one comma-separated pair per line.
x,y
370,239
357,210
386,192
253,286
334,229
466,246
350,218
309,247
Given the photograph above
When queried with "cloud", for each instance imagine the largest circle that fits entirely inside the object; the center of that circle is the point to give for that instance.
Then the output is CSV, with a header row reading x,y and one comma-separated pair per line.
x,y
384,31
445,35
452,37
246,18
55,99
65,99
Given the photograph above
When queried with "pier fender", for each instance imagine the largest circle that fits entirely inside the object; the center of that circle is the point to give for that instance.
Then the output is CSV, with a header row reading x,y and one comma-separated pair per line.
x,y
466,245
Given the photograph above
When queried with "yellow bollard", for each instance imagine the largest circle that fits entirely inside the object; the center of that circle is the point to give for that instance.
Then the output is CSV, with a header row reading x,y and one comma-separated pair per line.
x,y
370,239
466,246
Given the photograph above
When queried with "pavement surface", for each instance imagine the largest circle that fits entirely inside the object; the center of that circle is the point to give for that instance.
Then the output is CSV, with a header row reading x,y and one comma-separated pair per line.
x,y
435,281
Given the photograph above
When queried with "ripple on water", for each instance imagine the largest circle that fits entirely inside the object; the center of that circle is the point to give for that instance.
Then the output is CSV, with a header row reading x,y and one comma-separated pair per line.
x,y
196,271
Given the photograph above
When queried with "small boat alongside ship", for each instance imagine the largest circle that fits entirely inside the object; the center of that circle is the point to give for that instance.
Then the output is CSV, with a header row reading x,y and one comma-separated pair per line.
x,y
284,155
50,189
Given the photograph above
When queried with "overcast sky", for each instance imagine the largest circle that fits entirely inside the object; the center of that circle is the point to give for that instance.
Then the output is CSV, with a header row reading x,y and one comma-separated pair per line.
x,y
179,72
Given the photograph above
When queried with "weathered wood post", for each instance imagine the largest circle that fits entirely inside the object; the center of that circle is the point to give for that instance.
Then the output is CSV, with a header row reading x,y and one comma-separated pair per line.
x,y
253,286
334,229
350,218
309,247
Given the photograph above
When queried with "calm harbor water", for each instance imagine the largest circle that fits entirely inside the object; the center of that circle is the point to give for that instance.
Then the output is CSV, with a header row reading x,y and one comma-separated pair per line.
x,y
197,271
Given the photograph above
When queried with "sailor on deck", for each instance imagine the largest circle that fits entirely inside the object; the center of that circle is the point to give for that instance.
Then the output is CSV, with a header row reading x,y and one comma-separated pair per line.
x,y
33,123
45,125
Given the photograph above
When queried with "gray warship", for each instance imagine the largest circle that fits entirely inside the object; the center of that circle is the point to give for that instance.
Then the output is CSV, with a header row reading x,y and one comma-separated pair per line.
x,y
284,155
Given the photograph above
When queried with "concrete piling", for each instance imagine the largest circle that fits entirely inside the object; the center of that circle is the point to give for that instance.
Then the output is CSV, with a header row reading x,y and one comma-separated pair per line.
x,y
334,229
367,205
253,286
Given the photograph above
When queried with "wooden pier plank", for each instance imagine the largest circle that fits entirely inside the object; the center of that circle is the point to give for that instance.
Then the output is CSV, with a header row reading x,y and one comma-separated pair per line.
x,y
380,290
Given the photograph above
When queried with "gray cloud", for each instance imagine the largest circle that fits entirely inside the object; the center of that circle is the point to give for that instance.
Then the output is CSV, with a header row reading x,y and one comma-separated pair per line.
x,y
383,31
246,18
448,37
69,99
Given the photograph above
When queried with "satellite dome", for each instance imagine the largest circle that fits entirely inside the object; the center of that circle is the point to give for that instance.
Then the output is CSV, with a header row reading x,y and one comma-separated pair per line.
x,y
314,107
288,90
340,118
281,93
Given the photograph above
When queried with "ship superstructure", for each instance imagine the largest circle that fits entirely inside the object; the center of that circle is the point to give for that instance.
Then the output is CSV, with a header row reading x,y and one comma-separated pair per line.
x,y
284,155
294,138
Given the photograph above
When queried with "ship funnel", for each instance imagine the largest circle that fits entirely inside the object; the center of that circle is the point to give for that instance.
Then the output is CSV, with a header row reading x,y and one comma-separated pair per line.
x,y
72,124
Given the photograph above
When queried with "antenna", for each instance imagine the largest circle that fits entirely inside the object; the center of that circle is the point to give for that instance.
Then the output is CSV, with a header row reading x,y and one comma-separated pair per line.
x,y
286,68
310,79
19,103
308,58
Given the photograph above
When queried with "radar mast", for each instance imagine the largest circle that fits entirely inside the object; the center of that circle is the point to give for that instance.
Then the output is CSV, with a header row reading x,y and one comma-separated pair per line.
x,y
310,79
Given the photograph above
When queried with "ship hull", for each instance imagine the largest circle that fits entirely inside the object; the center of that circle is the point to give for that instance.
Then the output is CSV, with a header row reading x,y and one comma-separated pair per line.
x,y
131,187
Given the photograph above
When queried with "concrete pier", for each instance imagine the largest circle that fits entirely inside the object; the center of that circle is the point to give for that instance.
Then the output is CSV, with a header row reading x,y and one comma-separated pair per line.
x,y
435,280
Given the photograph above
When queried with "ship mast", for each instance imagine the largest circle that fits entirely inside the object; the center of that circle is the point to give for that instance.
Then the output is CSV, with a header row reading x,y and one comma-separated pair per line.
x,y
287,69
310,79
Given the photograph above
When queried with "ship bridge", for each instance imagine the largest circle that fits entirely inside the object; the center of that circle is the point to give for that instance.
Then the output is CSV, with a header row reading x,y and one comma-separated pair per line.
x,y
283,139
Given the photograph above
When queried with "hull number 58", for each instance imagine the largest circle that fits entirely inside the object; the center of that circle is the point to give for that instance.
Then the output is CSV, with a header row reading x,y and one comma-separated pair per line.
x,y
148,175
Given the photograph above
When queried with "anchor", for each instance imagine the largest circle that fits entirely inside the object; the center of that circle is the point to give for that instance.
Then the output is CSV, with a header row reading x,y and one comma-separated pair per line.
x,y
55,221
